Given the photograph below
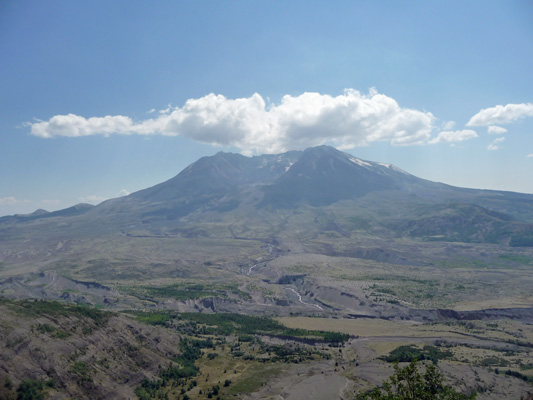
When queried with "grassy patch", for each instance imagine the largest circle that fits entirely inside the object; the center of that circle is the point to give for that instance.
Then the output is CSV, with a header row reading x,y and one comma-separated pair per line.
x,y
254,378
152,318
516,258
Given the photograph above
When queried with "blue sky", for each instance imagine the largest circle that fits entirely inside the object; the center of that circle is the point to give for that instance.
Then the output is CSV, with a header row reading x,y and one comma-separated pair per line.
x,y
101,98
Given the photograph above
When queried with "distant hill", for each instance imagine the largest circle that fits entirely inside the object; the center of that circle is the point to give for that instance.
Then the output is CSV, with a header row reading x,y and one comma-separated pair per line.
x,y
78,209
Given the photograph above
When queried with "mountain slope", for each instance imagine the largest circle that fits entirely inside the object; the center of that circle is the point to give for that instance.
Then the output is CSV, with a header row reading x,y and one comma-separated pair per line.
x,y
224,184
324,175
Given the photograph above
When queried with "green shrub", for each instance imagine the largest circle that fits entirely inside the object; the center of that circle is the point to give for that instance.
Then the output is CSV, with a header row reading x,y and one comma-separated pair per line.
x,y
30,389
409,383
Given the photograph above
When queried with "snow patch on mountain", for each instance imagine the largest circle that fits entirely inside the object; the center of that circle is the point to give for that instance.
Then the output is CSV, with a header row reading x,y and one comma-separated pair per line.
x,y
360,162
395,168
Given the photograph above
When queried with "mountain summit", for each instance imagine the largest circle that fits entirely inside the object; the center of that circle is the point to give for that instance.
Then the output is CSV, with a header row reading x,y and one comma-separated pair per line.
x,y
228,186
323,175
318,176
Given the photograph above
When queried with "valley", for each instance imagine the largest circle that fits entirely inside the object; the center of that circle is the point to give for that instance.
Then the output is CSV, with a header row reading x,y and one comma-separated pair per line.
x,y
317,240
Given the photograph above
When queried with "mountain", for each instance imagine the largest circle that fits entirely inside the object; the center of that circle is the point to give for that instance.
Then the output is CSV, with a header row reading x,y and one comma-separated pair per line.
x,y
324,175
317,177
239,192
219,182
316,233
231,232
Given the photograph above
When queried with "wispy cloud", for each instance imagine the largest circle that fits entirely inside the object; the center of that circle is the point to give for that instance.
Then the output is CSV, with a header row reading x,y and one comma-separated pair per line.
x,y
448,125
495,144
496,130
530,155
348,120
501,114
8,201
454,136
92,199
11,205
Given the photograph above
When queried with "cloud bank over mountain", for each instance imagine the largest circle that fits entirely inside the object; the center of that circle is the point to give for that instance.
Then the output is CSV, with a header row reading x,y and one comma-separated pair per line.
x,y
255,126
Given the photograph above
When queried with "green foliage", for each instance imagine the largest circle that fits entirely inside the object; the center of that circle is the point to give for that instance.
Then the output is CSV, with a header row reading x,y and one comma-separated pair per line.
x,y
494,361
243,325
51,383
517,258
148,389
52,331
180,373
229,323
33,308
81,370
519,375
30,389
522,240
182,292
8,384
525,367
45,328
289,353
186,291
411,353
409,383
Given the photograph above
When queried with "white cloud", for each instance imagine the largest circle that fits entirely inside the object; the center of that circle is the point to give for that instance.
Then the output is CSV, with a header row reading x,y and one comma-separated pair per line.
x,y
11,205
495,144
348,120
8,201
501,114
92,199
74,126
166,110
530,155
496,130
448,126
454,136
